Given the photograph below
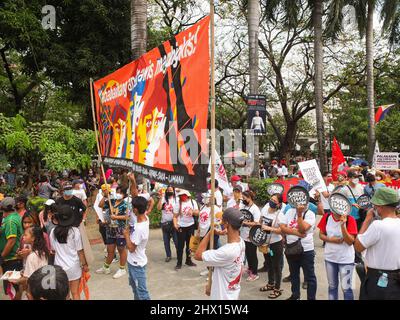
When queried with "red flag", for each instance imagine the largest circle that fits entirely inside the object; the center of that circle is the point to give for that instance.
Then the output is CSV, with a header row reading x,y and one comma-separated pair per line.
x,y
338,160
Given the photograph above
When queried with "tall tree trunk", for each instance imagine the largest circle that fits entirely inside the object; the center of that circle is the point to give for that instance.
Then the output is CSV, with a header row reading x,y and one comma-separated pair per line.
x,y
253,21
289,140
370,78
138,27
318,84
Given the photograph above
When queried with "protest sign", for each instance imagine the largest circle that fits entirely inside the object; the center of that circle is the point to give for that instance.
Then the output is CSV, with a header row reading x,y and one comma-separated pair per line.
x,y
275,188
387,160
312,175
152,113
258,236
256,115
364,202
297,196
220,174
247,215
339,204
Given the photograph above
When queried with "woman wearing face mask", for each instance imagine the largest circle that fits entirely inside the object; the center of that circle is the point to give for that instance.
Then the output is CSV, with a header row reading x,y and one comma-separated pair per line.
x,y
184,224
251,249
166,205
116,222
270,217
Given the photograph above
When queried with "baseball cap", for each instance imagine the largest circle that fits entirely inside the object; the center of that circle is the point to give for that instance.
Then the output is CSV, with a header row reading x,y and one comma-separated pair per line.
x,y
238,188
235,179
49,202
8,203
385,196
233,216
67,185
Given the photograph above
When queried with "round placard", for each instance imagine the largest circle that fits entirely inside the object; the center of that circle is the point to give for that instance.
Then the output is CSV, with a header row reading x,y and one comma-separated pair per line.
x,y
339,204
298,196
275,188
257,236
247,215
364,201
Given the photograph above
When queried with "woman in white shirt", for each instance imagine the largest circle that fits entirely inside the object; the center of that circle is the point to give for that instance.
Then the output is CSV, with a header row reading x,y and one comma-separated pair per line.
x,y
67,243
270,216
184,224
166,205
251,249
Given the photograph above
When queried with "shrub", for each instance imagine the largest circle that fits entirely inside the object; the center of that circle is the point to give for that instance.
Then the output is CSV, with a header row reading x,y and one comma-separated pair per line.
x,y
35,204
155,218
259,186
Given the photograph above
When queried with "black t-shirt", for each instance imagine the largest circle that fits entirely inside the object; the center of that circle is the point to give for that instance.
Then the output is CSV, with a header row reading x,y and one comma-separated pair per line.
x,y
76,205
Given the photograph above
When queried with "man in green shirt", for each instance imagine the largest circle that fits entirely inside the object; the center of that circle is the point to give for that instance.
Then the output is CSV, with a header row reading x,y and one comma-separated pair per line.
x,y
10,235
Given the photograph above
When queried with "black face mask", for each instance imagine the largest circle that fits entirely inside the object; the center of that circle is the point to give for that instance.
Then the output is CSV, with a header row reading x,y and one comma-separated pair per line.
x,y
169,194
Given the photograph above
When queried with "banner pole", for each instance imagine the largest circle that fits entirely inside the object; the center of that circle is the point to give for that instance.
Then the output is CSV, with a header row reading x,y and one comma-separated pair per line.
x,y
212,82
97,142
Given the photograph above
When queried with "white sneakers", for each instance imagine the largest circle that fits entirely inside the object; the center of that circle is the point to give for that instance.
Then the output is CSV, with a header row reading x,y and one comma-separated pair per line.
x,y
103,270
204,273
119,273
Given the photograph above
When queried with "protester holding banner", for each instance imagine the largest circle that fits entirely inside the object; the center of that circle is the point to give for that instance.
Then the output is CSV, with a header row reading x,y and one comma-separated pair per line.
x,y
271,214
166,205
251,249
338,232
381,240
184,224
298,225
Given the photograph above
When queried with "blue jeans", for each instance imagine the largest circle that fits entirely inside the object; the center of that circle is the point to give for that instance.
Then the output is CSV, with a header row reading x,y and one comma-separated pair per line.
x,y
167,235
137,280
345,271
306,262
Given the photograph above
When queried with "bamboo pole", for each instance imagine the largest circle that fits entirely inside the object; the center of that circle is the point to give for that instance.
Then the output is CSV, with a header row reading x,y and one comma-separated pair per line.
x,y
212,82
98,143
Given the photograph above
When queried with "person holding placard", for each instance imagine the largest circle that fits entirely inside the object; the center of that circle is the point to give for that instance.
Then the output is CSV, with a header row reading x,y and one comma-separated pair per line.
x,y
251,249
338,233
236,201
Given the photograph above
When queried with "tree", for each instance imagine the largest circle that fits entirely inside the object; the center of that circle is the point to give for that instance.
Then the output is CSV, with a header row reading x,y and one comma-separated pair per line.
x,y
138,28
388,132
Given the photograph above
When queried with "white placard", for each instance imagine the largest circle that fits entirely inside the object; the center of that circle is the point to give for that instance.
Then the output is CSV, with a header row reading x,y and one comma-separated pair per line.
x,y
387,160
312,175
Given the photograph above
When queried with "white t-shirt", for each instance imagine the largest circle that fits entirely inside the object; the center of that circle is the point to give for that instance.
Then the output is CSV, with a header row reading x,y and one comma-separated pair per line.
x,y
244,230
285,171
272,220
358,190
139,237
233,204
67,253
382,241
324,200
81,194
185,218
33,262
290,220
205,219
218,198
334,252
99,211
145,195
227,262
167,212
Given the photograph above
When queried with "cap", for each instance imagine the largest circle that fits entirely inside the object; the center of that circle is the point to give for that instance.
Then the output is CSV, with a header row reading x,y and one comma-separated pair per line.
x,y
238,188
233,216
274,162
352,174
67,185
235,179
65,216
49,202
182,192
385,196
76,181
8,203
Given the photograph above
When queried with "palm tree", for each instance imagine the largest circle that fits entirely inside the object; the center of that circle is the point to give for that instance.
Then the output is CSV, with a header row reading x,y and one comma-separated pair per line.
x,y
138,28
253,21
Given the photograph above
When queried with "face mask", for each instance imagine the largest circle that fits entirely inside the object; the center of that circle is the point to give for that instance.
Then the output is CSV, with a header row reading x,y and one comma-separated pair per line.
x,y
206,200
355,181
68,192
378,178
245,202
169,194
272,204
119,196
184,198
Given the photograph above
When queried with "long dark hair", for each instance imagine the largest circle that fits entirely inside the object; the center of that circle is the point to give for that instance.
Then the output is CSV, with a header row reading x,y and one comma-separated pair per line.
x,y
52,208
39,244
34,217
165,195
61,233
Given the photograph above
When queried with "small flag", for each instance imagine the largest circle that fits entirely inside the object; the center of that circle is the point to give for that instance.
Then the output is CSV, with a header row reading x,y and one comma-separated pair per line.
x,y
382,112
338,160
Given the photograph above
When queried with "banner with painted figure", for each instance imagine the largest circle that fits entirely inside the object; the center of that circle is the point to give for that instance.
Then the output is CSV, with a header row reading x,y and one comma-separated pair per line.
x,y
152,113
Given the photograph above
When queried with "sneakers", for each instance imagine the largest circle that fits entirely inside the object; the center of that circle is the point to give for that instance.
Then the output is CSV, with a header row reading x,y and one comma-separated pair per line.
x,y
103,270
190,263
120,273
253,277
204,273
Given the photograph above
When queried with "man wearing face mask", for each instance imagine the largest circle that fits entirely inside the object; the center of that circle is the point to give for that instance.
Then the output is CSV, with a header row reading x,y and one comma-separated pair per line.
x,y
381,238
372,185
73,202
